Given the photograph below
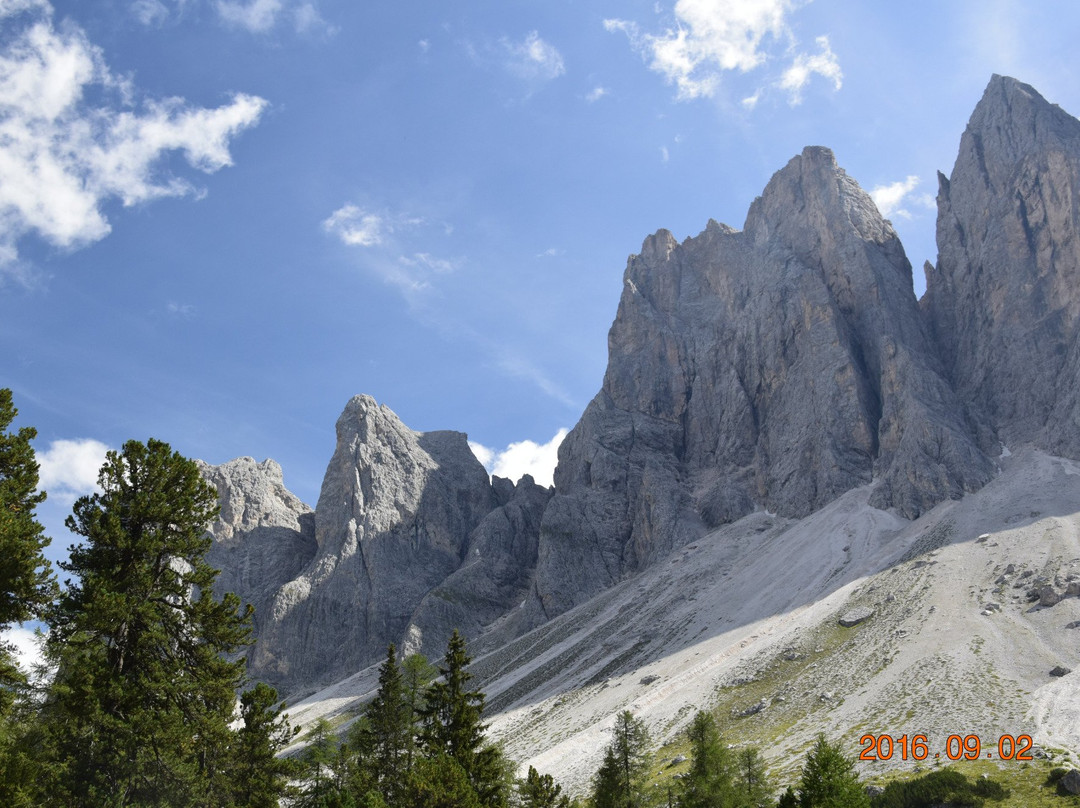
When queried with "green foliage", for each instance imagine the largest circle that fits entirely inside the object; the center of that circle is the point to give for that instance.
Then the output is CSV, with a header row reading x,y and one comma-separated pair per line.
x,y
261,777
541,791
439,781
385,737
452,726
322,767
416,673
620,781
941,787
710,781
26,582
788,799
829,779
139,710
753,783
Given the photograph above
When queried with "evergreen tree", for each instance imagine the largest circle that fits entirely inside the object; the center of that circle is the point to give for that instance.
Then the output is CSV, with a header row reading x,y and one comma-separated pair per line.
x,y
452,726
753,782
261,777
385,738
439,781
145,690
323,767
416,673
607,785
26,581
541,791
620,781
709,783
788,799
829,779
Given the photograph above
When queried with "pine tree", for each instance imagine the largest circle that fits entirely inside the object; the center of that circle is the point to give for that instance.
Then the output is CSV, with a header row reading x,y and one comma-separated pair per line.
x,y
541,791
439,781
416,673
753,782
385,738
26,582
829,779
620,781
261,778
141,703
710,781
452,726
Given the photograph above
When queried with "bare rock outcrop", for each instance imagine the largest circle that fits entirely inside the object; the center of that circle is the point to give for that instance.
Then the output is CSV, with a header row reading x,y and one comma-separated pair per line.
x,y
409,540
1004,299
264,535
775,367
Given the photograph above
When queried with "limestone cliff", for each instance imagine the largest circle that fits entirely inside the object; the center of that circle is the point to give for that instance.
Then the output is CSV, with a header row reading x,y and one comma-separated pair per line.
x,y
409,540
1004,299
775,367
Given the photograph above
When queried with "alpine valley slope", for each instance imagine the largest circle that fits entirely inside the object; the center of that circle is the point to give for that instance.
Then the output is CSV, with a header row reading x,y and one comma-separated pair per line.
x,y
783,433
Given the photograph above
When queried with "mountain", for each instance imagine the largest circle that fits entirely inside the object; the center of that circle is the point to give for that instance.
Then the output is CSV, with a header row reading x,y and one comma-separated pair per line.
x,y
409,540
1004,299
783,435
770,368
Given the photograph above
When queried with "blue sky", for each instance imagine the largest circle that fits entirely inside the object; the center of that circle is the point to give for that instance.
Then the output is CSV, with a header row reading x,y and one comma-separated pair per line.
x,y
220,219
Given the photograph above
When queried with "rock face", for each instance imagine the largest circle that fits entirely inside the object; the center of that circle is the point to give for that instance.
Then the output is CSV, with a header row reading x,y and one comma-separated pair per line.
x,y
409,540
775,367
1004,300
264,535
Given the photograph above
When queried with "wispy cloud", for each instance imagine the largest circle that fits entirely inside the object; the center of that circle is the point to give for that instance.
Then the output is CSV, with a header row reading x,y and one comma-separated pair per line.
x,y
596,93
383,237
62,158
69,468
890,199
357,227
532,58
708,38
822,63
523,457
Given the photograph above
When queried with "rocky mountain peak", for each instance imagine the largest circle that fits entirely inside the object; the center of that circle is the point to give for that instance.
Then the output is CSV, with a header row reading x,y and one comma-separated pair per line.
x,y
1003,301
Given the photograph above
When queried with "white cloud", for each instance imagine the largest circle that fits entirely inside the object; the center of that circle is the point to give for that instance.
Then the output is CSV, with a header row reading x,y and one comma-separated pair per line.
x,y
184,310
485,455
522,457
150,12
596,93
665,155
440,266
533,58
257,16
69,468
751,101
890,198
711,37
823,63
412,271
63,158
26,647
356,226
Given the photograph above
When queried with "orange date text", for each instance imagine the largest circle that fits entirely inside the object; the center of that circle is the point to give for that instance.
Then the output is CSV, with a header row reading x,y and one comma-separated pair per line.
x,y
957,747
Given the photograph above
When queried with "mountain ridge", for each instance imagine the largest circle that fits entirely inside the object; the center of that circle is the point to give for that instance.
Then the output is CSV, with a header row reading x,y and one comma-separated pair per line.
x,y
777,374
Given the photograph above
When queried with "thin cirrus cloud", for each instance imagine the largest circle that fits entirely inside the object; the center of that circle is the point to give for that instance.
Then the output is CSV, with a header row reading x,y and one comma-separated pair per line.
x,y
63,157
711,37
533,58
522,457
254,16
380,235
